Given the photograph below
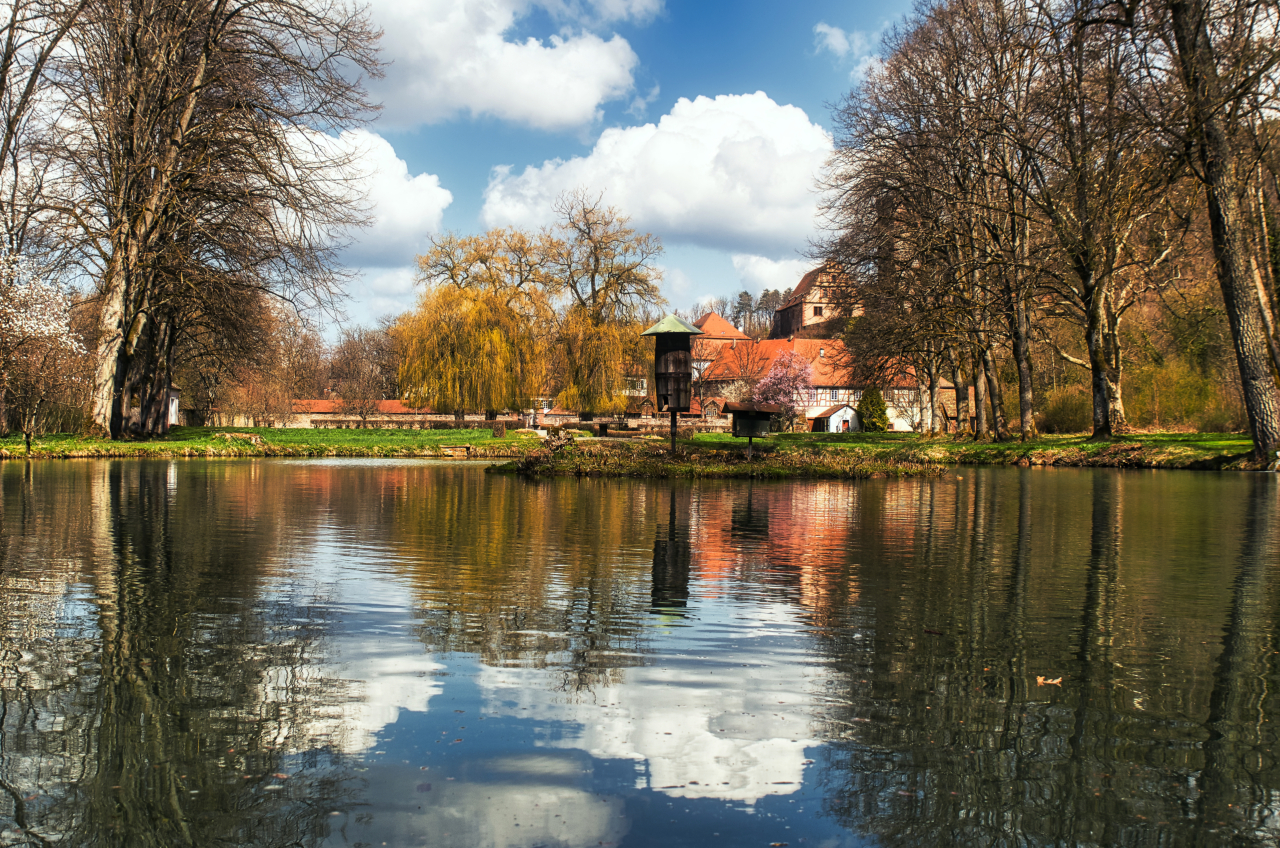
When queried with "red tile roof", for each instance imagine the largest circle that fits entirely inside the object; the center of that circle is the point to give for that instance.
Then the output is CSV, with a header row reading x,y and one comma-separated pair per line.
x,y
334,407
827,356
830,270
695,406
715,327
802,288
830,411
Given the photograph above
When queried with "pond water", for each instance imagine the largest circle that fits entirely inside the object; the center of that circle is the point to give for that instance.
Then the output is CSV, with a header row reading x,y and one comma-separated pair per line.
x,y
342,653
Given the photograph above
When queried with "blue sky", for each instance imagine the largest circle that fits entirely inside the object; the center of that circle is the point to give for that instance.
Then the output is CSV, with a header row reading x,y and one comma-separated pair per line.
x,y
705,122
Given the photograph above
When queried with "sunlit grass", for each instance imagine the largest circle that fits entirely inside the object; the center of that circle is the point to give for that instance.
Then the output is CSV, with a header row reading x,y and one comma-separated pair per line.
x,y
1149,449
1196,450
282,441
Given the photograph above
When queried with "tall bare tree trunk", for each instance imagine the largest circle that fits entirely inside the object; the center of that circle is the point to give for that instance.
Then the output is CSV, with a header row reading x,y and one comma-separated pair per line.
x,y
109,373
995,393
1020,328
934,400
1231,248
982,428
962,394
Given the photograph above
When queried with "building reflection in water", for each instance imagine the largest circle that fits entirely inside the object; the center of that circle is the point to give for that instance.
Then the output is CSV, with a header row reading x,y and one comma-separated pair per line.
x,y
671,554
998,657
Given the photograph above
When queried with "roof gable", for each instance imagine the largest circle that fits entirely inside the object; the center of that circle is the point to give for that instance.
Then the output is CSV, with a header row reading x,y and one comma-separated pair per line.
x,y
715,327
824,274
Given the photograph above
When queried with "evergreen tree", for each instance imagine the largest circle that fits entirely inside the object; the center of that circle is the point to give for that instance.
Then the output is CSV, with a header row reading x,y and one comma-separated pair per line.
x,y
872,412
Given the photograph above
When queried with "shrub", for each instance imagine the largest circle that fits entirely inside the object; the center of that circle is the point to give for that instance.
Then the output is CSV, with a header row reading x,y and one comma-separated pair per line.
x,y
873,414
1068,409
1226,416
1172,393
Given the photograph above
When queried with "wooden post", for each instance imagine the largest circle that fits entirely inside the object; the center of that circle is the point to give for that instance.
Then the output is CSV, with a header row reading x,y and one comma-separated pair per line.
x,y
673,431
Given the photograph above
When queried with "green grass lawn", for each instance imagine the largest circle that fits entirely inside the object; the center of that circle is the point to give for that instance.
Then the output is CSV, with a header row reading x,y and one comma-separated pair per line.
x,y
1170,450
1173,450
186,441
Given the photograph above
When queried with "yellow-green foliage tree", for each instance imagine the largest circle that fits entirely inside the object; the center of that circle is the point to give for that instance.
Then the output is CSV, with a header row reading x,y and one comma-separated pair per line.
x,y
593,361
468,349
604,274
510,315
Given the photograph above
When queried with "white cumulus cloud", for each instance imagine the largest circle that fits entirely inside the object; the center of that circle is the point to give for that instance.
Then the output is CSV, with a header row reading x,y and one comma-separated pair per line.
x,y
760,272
855,46
732,172
833,39
405,207
452,57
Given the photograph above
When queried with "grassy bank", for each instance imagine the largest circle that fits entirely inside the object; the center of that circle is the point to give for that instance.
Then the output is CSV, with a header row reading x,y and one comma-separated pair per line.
x,y
797,454
236,442
857,455
1144,450
706,458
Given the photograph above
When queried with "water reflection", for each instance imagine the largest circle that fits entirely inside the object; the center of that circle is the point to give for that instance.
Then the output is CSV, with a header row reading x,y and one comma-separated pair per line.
x,y
147,692
1046,680
333,653
671,555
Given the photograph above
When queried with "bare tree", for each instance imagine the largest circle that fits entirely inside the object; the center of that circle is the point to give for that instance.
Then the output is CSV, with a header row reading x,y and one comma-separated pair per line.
x,y
198,168
363,370
1226,58
1004,150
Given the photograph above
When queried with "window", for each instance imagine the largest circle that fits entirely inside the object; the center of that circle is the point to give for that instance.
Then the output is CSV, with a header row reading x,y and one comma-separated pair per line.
x,y
822,352
817,312
835,394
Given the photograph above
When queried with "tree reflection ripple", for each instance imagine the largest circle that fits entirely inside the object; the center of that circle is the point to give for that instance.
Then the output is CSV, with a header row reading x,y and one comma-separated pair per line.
x,y
420,653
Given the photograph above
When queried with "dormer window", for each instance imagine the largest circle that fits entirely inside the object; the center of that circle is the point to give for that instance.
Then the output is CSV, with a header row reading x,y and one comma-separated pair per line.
x,y
822,351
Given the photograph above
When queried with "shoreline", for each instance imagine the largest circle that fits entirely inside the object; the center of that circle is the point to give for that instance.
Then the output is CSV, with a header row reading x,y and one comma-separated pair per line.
x,y
782,455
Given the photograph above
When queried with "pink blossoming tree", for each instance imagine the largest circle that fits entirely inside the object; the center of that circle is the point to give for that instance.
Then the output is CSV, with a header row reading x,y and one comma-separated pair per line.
x,y
787,384
40,355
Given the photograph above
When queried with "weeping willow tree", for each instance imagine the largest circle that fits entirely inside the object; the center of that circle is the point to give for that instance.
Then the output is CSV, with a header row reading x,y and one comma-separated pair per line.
x,y
512,315
468,349
595,359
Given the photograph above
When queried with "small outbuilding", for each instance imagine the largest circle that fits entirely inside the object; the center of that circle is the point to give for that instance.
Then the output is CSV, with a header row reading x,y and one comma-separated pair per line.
x,y
841,418
752,420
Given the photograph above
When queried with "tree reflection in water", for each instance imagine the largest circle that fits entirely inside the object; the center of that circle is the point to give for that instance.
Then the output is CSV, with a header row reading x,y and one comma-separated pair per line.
x,y
150,696
543,575
947,727
1000,657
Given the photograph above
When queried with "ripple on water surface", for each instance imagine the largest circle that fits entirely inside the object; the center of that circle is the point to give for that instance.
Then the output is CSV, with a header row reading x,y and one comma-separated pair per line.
x,y
419,653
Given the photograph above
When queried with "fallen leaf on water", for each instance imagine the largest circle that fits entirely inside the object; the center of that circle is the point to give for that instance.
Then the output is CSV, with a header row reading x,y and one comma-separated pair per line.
x,y
1044,681
280,776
